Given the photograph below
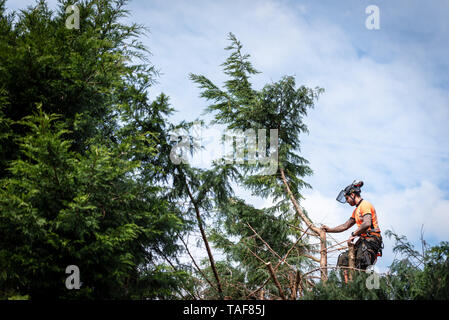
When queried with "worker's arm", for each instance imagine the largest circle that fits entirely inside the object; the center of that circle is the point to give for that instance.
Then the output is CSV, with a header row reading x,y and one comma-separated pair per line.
x,y
364,226
343,227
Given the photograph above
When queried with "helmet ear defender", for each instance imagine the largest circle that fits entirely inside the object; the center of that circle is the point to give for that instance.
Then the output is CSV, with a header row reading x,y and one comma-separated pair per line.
x,y
355,186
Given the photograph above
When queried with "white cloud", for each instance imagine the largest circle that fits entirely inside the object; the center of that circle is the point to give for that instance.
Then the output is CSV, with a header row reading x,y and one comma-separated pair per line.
x,y
405,211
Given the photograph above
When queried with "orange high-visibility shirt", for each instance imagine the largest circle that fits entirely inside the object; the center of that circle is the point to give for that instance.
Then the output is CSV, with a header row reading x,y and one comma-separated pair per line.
x,y
363,208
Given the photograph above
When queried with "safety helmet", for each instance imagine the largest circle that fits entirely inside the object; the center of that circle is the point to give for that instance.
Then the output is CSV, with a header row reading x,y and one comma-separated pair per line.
x,y
353,187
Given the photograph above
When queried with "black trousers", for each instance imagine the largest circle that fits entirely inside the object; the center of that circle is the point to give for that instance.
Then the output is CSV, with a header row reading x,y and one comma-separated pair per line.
x,y
365,252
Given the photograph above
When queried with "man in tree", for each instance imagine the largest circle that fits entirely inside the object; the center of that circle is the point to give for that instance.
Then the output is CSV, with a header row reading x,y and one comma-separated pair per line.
x,y
369,245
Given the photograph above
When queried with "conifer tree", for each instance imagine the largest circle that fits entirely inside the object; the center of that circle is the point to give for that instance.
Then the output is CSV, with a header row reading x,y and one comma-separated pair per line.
x,y
82,74
61,208
267,245
80,180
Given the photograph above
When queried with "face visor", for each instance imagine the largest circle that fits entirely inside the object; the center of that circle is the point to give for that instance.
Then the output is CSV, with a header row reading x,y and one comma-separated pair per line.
x,y
341,196
354,187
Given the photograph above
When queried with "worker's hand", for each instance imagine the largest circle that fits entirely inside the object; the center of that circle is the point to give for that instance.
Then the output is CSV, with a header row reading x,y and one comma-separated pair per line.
x,y
325,228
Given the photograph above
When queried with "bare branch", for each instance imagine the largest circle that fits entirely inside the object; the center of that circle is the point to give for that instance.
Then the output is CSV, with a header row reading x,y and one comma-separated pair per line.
x,y
275,279
268,246
175,269
196,265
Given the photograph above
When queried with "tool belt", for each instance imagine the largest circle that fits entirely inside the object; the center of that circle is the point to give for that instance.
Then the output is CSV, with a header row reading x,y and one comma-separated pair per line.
x,y
366,251
372,233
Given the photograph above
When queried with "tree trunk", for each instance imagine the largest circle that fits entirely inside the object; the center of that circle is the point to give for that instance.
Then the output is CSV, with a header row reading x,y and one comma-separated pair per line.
x,y
195,264
320,233
297,207
323,258
351,258
206,242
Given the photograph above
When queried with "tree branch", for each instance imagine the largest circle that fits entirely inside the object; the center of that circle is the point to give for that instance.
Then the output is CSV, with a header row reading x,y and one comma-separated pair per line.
x,y
319,232
275,279
196,265
206,242
175,269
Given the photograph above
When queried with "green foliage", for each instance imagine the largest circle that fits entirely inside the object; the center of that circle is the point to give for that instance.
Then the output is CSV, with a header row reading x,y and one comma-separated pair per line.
x,y
80,179
80,74
433,281
61,208
336,288
421,275
278,105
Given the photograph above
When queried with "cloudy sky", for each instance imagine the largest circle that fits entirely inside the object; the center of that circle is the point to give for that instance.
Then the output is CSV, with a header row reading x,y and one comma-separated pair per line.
x,y
383,115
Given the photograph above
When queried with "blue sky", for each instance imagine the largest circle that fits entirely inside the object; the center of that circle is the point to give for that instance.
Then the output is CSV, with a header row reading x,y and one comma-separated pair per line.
x,y
382,118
